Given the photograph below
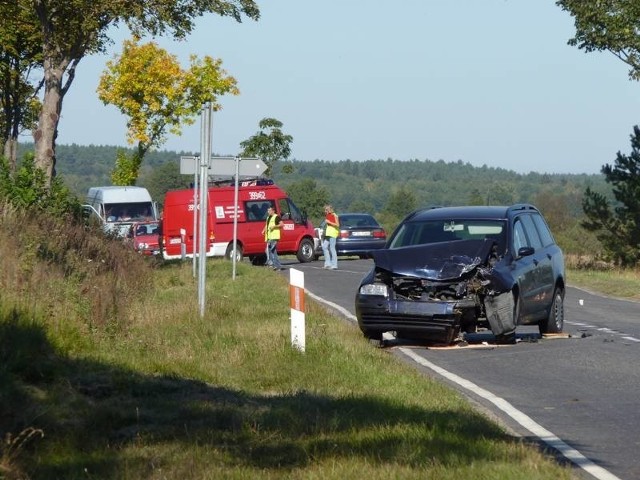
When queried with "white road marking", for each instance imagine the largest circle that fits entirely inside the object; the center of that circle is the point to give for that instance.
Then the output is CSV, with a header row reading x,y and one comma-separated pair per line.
x,y
623,335
522,419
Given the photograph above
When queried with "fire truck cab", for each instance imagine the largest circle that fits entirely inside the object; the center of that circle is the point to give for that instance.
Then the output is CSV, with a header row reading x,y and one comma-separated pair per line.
x,y
254,198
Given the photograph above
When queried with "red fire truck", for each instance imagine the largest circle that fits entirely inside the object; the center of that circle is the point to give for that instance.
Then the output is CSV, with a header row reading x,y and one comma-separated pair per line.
x,y
254,198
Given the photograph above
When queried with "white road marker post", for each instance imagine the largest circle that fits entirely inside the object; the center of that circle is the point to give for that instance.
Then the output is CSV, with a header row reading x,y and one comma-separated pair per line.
x,y
296,298
183,244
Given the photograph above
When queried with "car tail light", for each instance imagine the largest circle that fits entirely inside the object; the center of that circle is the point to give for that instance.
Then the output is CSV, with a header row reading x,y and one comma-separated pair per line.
x,y
344,233
379,234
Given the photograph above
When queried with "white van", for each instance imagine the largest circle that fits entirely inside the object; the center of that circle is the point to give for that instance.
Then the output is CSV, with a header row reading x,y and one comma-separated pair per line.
x,y
118,208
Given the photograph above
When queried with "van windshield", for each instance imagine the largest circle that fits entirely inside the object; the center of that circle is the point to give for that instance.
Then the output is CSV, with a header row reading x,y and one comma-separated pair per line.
x,y
129,212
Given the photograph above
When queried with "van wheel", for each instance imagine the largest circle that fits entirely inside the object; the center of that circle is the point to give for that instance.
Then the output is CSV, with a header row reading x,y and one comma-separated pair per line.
x,y
306,251
229,252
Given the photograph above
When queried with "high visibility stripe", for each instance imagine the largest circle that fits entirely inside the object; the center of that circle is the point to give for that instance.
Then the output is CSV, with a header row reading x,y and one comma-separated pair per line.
x,y
296,298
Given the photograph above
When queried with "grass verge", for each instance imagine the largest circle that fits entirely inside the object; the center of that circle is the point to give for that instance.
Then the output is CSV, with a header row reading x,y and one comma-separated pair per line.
x,y
621,283
173,395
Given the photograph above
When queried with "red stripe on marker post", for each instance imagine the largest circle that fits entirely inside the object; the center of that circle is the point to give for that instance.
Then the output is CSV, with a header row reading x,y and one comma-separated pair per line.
x,y
296,301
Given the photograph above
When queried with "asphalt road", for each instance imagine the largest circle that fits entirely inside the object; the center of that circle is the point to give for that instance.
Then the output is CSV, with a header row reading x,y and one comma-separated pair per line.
x,y
580,394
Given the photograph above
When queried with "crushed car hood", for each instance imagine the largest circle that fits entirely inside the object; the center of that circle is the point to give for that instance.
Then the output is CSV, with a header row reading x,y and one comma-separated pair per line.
x,y
435,261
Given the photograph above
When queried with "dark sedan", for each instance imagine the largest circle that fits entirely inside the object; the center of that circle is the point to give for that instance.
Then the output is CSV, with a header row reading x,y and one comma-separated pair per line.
x,y
360,233
446,271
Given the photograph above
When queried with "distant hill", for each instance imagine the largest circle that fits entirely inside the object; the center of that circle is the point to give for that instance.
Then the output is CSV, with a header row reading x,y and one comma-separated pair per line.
x,y
349,183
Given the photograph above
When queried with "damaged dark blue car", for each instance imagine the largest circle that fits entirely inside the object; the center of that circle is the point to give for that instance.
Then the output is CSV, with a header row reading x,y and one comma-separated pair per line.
x,y
454,270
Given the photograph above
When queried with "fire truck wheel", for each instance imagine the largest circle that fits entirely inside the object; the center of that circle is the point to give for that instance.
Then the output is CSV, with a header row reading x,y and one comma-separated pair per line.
x,y
229,253
306,251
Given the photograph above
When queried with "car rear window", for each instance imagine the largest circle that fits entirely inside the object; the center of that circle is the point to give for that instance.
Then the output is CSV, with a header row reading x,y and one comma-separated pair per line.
x,y
435,231
358,221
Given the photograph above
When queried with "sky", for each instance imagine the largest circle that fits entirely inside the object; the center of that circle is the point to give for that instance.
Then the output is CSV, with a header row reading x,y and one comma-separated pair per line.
x,y
488,82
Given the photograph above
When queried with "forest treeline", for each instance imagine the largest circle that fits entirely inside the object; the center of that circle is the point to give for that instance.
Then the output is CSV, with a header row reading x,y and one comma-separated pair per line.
x,y
386,188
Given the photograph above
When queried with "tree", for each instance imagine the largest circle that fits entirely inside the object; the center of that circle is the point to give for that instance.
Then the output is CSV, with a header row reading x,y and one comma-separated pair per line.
x,y
72,29
401,202
476,198
500,194
20,56
618,228
164,178
309,197
270,147
149,86
610,25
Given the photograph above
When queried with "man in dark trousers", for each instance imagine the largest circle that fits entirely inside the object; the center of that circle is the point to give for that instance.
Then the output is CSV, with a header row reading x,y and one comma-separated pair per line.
x,y
271,232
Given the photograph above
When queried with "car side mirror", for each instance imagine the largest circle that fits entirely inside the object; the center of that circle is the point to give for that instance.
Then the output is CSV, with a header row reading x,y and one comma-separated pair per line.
x,y
525,251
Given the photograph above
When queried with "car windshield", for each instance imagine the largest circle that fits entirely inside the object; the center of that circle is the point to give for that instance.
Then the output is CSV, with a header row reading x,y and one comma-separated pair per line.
x,y
434,231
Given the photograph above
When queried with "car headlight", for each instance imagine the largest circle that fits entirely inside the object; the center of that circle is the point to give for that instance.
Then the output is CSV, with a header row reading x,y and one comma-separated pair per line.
x,y
142,246
378,289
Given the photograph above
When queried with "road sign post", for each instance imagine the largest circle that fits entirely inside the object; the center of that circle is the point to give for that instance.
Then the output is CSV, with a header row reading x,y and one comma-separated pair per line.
x,y
235,167
204,196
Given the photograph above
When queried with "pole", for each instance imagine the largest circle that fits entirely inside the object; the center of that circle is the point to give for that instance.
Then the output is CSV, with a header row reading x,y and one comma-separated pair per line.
x,y
235,217
196,172
204,210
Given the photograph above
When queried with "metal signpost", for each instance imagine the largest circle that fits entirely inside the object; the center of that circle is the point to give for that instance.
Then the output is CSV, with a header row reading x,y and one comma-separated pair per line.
x,y
243,167
207,165
204,196
235,167
190,165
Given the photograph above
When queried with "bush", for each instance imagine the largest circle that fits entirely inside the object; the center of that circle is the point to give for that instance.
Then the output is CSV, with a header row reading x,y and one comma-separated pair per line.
x,y
27,188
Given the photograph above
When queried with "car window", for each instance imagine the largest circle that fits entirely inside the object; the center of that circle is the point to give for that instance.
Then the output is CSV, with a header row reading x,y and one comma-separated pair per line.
x,y
531,232
519,238
358,221
422,233
543,230
256,211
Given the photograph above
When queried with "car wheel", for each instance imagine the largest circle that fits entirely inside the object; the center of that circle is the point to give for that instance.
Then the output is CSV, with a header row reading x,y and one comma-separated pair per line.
x,y
229,253
554,323
305,251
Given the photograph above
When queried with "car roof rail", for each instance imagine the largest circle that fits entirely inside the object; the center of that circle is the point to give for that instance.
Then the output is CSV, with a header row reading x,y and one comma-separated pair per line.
x,y
522,207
